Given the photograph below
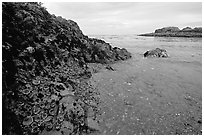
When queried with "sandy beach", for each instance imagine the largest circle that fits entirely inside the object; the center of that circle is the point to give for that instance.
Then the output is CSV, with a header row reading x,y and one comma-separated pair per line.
x,y
151,96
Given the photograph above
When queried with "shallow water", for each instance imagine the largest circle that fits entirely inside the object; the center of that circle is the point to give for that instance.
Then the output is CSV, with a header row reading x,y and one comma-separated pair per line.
x,y
154,95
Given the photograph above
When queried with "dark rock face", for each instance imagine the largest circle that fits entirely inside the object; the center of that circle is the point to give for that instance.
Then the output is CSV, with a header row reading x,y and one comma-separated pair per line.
x,y
45,74
160,53
176,32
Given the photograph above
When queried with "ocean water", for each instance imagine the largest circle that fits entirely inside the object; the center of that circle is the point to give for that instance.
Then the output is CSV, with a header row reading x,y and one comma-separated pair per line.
x,y
179,49
152,95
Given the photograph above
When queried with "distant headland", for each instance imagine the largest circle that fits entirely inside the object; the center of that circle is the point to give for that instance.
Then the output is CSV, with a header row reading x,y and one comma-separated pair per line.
x,y
176,32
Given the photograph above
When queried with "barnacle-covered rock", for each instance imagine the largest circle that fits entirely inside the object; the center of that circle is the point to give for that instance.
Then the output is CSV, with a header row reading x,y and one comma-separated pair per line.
x,y
27,121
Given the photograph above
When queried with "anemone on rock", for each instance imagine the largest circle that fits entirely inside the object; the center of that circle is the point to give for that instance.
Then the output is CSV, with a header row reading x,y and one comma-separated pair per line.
x,y
44,115
63,89
36,82
35,130
26,130
60,86
36,100
42,104
46,88
29,113
60,118
57,126
48,93
25,91
28,86
40,95
48,126
37,118
34,124
47,106
27,107
53,104
49,118
27,121
52,111
67,91
41,123
54,97
36,109
20,103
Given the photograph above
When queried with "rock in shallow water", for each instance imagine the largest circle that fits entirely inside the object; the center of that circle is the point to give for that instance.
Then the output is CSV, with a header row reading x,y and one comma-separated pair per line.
x,y
156,53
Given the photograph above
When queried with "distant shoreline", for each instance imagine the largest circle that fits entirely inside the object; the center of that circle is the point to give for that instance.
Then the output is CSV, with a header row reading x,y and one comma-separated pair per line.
x,y
175,32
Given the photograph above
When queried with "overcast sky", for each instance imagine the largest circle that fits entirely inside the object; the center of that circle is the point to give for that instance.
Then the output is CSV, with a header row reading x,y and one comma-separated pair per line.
x,y
127,18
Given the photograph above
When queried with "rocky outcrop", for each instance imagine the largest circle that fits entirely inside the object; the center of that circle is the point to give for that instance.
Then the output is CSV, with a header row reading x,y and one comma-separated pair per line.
x,y
45,87
176,32
160,53
102,52
167,29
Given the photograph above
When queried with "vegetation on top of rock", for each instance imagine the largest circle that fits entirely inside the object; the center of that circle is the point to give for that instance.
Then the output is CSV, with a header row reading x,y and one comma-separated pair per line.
x,y
45,85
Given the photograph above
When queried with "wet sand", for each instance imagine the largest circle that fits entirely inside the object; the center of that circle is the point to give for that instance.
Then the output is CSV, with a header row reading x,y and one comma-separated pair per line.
x,y
150,96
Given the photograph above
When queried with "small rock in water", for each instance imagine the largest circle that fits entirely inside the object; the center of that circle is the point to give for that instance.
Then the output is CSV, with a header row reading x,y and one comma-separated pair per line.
x,y
156,53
